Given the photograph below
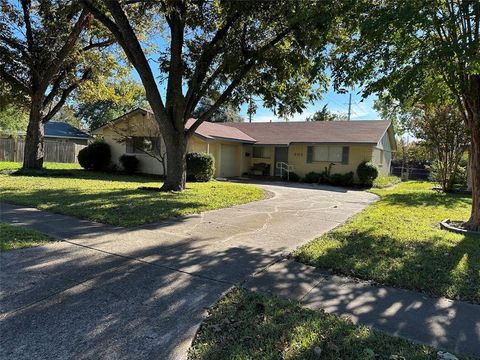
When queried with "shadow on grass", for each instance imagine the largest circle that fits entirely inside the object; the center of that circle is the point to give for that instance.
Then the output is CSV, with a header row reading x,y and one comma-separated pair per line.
x,y
427,199
125,207
433,265
86,174
253,326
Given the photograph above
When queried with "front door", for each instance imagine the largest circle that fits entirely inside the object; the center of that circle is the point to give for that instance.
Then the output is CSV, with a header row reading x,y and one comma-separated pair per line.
x,y
281,155
228,161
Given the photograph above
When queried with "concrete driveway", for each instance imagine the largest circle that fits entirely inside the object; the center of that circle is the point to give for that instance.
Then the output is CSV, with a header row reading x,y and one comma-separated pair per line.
x,y
114,293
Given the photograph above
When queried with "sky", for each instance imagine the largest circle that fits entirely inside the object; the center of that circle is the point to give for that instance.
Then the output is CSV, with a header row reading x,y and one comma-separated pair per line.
x,y
362,109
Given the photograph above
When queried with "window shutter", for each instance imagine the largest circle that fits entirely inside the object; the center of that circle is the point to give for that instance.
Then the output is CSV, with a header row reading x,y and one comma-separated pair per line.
x,y
309,154
345,153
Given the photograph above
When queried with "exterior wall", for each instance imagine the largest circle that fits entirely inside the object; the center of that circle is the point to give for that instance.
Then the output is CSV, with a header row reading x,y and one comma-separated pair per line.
x,y
268,159
138,126
382,155
297,156
68,140
149,165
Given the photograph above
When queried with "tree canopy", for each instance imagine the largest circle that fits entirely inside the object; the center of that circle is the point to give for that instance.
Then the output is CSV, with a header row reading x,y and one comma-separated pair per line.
x,y
326,115
225,113
224,50
46,53
120,97
399,46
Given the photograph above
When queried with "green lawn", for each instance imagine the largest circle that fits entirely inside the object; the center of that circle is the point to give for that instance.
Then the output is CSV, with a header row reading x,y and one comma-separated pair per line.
x,y
115,198
383,182
14,237
246,325
397,241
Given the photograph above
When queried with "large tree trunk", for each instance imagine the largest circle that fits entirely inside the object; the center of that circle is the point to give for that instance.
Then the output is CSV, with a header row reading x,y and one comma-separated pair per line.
x,y
474,221
176,176
34,139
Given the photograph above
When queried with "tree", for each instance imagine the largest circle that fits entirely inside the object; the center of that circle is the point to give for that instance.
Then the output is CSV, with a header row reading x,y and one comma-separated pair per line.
x,y
224,113
95,110
325,115
438,127
45,55
12,120
400,45
224,50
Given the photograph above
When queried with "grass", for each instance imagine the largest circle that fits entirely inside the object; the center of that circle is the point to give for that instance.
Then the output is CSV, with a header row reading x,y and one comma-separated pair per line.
x,y
383,182
14,237
397,241
115,198
246,325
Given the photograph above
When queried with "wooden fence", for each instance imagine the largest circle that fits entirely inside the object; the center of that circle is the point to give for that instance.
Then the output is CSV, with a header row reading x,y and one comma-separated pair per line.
x,y
55,151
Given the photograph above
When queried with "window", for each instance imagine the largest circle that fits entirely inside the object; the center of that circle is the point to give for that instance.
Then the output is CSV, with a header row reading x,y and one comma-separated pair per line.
x,y
328,153
260,152
141,144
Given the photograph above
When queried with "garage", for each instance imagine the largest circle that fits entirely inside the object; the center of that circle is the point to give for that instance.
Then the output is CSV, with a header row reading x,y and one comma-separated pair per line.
x,y
228,161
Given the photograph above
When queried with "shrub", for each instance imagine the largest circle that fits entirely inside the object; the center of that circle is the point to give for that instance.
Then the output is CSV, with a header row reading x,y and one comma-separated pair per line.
x,y
312,177
200,167
95,156
130,163
341,179
292,176
367,172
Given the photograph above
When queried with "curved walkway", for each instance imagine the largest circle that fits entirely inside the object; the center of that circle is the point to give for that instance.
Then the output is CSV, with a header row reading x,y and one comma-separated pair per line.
x,y
109,292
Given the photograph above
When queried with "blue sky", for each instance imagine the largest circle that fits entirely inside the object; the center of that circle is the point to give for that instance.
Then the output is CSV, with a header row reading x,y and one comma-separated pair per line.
x,y
362,109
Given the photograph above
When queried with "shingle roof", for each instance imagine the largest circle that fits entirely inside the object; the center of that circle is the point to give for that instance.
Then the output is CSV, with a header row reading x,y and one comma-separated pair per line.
x,y
284,133
62,129
219,131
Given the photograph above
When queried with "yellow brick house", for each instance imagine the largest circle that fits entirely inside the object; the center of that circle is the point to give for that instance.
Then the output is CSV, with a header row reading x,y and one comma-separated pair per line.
x,y
240,148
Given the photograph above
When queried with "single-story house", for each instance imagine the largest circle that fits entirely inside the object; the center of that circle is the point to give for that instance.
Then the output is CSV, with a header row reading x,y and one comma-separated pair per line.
x,y
57,131
239,148
62,143
64,132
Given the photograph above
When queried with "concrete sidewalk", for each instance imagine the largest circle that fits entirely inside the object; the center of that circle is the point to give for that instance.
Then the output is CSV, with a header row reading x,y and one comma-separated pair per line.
x,y
450,325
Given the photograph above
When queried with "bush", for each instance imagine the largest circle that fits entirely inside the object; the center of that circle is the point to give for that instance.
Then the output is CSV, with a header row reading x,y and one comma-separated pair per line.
x,y
341,179
130,163
293,177
367,172
95,156
200,167
312,177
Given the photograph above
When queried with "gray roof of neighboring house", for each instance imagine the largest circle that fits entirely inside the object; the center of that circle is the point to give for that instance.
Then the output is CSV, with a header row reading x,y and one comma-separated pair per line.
x,y
64,130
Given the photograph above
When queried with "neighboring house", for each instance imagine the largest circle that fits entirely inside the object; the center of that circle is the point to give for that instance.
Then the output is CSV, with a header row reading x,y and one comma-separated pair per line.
x,y
62,143
240,147
64,132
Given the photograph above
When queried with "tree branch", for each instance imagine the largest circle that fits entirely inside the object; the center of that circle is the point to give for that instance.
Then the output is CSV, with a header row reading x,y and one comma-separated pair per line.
x,y
124,34
204,63
236,81
66,48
